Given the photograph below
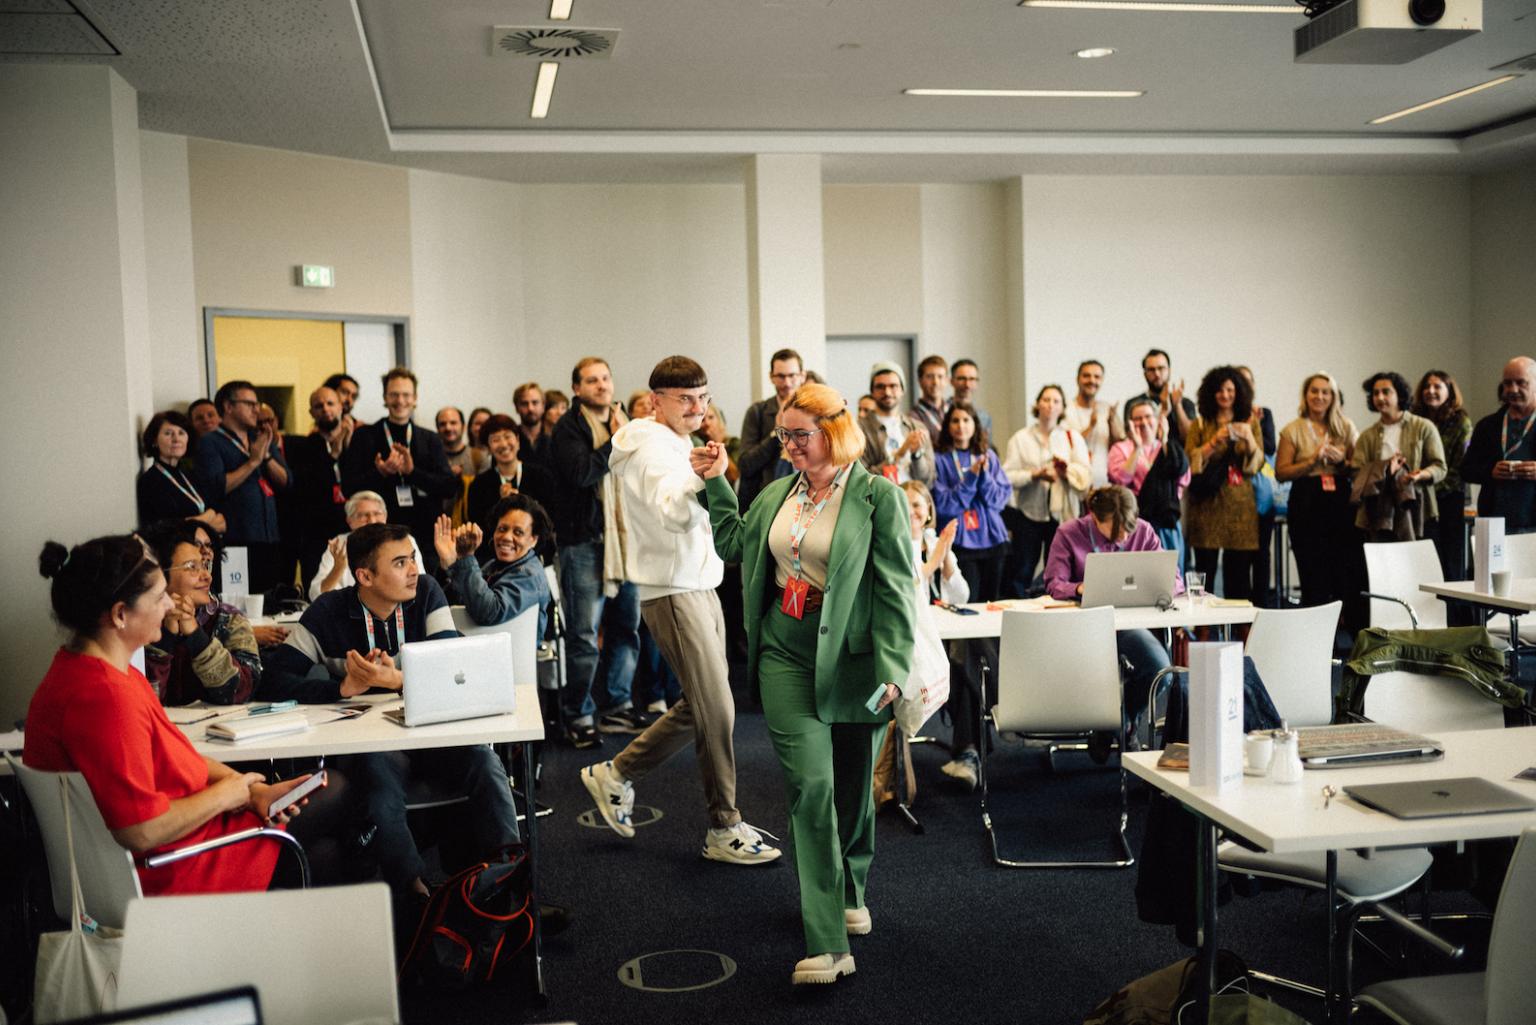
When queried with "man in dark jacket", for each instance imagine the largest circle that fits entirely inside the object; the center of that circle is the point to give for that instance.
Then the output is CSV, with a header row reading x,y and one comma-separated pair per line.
x,y
242,457
758,459
1502,453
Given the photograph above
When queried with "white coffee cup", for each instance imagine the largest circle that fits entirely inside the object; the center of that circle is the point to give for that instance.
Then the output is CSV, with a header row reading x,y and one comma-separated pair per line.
x,y
254,605
1501,579
1258,749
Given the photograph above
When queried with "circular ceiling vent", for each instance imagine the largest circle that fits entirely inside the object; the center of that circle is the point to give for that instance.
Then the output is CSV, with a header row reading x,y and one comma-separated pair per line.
x,y
555,43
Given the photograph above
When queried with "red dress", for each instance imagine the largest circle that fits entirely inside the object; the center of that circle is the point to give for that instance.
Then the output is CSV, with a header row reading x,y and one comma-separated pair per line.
x,y
88,717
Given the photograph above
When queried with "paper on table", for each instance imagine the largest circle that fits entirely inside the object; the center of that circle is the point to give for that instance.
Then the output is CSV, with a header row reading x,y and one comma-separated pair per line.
x,y
12,741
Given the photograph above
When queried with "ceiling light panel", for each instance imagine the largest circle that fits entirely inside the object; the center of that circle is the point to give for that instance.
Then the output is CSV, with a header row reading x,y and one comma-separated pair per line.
x,y
544,89
559,10
1165,6
1427,104
1039,94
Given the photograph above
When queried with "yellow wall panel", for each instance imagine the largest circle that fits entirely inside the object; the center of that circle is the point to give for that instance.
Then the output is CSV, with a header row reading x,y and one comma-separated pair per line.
x,y
294,356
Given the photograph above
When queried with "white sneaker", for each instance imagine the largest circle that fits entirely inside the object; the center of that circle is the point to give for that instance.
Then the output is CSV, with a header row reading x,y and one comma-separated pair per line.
x,y
858,921
822,969
739,844
657,707
615,800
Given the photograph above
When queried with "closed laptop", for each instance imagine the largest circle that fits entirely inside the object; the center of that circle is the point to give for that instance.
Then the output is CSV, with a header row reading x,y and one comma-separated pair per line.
x,y
1429,798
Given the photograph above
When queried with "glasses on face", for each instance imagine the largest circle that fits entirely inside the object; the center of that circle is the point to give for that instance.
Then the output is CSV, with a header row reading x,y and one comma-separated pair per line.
x,y
193,565
244,402
799,439
689,401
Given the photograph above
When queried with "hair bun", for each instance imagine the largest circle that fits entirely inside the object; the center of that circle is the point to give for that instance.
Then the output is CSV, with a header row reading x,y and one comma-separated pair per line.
x,y
52,559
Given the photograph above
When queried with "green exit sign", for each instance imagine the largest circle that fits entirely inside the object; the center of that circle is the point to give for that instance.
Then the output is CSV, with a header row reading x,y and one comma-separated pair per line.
x,y
312,275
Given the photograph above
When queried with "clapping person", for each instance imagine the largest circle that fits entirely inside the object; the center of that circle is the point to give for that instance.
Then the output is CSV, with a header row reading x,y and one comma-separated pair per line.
x,y
1155,470
1438,400
206,651
171,487
971,490
1222,516
508,473
334,573
1048,466
512,580
1396,460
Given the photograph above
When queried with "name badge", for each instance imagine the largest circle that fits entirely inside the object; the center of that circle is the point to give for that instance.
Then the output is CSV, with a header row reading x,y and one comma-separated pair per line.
x,y
266,489
971,520
1329,484
792,602
1234,477
405,496
890,473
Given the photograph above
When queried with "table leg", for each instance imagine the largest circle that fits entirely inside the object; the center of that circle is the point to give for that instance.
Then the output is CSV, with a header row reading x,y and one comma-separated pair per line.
x,y
533,872
1332,1001
1205,934
1514,647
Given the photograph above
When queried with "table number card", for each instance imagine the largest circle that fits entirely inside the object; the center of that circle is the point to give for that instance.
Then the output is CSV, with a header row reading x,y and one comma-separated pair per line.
x,y
1216,715
236,573
1488,551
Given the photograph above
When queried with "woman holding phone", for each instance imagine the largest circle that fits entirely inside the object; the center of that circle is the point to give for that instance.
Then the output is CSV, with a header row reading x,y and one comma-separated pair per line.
x,y
827,585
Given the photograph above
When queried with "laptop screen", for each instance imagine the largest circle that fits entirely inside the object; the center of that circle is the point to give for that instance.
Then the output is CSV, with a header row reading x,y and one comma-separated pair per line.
x,y
227,1007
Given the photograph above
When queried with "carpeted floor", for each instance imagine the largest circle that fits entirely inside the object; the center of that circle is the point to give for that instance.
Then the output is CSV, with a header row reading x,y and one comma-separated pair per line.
x,y
956,939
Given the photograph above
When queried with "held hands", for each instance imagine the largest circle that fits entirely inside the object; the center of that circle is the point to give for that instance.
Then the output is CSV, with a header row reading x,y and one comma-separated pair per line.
x,y
911,443
234,790
708,460
182,619
269,636
1174,395
508,488
263,796
1515,469
213,518
364,672
939,553
261,445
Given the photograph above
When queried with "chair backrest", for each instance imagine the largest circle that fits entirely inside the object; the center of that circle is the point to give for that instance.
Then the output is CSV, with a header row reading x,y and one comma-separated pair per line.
x,y
1421,703
1293,651
1510,985
108,880
1520,555
1058,672
524,628
1397,569
322,955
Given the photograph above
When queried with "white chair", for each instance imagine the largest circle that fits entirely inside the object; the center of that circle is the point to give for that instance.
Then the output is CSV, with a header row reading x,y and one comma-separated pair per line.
x,y
324,955
1520,560
1292,649
108,879
1394,572
524,628
1058,678
1504,994
1421,703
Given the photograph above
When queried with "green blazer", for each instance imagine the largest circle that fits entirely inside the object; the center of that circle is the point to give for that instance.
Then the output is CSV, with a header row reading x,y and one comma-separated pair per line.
x,y
868,614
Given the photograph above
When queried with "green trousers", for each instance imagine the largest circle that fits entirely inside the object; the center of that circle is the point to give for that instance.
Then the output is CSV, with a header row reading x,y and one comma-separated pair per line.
x,y
827,773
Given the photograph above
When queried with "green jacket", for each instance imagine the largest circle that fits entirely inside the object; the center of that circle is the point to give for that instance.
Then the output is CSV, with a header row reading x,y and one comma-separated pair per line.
x,y
868,614
1464,653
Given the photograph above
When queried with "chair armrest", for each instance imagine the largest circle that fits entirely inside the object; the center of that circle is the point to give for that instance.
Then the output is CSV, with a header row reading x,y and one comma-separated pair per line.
x,y
255,832
1413,617
1158,681
1442,946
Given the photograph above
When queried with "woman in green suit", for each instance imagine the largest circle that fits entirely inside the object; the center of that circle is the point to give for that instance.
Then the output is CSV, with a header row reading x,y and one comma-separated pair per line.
x,y
826,567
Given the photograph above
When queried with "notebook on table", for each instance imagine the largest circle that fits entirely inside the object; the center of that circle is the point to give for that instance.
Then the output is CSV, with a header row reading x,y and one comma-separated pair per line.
x,y
1428,798
1129,580
1366,743
455,678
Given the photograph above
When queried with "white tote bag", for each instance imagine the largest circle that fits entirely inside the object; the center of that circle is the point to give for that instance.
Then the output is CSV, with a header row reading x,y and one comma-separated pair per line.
x,y
76,969
928,682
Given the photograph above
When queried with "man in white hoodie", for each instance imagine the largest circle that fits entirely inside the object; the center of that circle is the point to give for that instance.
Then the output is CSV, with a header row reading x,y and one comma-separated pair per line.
x,y
669,554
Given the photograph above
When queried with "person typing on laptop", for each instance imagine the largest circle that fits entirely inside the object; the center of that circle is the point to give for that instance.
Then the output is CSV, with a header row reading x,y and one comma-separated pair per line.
x,y
346,644
1111,525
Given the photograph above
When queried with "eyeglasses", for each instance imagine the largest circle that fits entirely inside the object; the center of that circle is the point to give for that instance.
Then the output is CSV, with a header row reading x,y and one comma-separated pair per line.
x,y
799,439
193,565
689,401
244,402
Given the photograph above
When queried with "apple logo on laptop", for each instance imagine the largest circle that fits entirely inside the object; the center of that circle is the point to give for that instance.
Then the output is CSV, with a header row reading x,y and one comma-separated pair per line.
x,y
1130,581
458,678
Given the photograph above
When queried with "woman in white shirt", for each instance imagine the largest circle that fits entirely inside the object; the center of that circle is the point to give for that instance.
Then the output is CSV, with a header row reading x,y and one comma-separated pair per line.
x,y
1048,466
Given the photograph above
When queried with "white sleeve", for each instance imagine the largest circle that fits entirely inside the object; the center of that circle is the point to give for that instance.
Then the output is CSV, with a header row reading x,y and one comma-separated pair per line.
x,y
671,491
421,564
326,563
953,588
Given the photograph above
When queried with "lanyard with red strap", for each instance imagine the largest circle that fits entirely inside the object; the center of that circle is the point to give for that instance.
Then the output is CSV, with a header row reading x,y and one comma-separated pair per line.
x,y
796,587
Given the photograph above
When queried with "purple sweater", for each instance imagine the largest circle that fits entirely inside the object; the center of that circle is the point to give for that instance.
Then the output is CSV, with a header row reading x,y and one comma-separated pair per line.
x,y
956,490
1078,539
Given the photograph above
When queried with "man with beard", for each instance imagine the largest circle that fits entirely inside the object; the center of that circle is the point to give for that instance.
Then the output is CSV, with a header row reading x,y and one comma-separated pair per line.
x,y
465,460
528,401
242,455
316,460
346,388
1098,422
895,446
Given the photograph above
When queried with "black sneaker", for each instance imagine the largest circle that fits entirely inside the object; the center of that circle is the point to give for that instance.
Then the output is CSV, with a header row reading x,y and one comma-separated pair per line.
x,y
583,736
554,918
626,720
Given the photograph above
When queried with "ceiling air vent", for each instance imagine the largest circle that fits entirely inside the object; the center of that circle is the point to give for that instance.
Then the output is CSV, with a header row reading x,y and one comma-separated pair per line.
x,y
549,44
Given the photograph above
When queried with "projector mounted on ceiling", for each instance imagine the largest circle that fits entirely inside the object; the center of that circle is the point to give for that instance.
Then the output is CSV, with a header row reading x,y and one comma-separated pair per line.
x,y
1385,31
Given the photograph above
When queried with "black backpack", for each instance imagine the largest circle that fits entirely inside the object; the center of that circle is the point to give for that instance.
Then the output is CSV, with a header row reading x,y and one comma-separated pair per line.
x,y
476,921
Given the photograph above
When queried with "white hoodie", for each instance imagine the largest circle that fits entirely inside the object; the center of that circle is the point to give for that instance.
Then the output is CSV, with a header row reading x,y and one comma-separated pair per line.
x,y
669,546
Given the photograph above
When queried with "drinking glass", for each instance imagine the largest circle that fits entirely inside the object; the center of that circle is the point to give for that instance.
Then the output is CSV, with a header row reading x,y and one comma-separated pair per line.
x,y
1194,583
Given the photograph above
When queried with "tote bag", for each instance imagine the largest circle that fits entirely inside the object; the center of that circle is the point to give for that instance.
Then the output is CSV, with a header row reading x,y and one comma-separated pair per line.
x,y
76,969
928,681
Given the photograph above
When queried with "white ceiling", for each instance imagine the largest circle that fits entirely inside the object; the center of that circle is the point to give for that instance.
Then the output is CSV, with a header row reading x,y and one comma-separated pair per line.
x,y
694,85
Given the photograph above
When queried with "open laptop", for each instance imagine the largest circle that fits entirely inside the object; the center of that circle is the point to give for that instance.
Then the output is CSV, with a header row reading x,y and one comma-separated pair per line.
x,y
1367,743
1128,580
1427,798
226,1007
455,678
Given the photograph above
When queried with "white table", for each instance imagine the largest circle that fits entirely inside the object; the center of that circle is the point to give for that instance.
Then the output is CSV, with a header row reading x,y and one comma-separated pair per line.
x,y
989,623
1289,819
1520,600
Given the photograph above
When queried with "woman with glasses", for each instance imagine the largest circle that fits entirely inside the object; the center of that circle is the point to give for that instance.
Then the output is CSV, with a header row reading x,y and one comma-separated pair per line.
x,y
96,715
207,650
826,566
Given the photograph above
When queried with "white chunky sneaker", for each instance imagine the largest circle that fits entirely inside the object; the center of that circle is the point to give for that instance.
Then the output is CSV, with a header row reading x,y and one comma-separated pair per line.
x,y
739,844
822,969
858,921
615,800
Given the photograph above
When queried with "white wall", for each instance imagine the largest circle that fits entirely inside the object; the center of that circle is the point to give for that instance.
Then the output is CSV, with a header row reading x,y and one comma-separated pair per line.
x,y
1503,280
467,341
175,323
74,334
1288,275
872,246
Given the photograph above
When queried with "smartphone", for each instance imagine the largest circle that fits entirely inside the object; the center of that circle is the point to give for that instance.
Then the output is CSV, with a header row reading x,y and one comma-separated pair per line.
x,y
874,699
297,794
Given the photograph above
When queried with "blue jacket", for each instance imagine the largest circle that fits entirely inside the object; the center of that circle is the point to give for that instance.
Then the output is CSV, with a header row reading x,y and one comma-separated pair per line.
x,y
251,513
494,592
956,490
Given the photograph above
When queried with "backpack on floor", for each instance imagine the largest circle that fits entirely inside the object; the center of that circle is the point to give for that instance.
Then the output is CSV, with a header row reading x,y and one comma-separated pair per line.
x,y
478,920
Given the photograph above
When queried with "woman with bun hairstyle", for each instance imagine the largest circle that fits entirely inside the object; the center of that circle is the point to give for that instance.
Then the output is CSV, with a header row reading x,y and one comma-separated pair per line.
x,y
96,715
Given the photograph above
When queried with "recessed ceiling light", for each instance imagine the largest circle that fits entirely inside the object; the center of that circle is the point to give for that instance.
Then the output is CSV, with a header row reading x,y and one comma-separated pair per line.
x,y
1443,99
1094,52
544,88
1166,5
1042,94
560,10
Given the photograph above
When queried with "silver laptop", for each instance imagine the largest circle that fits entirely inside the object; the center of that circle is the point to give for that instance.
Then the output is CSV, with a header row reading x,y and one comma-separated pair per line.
x,y
1427,798
455,678
1128,580
1364,743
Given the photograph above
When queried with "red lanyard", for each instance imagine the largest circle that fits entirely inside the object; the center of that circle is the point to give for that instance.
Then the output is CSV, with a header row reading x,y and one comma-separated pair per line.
x,y
399,626
184,485
797,529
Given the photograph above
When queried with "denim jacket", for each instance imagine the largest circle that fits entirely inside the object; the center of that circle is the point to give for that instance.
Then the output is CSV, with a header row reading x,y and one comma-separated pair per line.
x,y
1464,653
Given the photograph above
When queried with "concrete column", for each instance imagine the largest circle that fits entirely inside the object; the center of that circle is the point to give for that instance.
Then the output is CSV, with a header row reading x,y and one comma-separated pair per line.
x,y
76,387
786,290
1016,382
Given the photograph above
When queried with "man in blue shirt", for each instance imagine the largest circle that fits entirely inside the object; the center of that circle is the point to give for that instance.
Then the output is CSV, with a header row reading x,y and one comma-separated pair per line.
x,y
241,455
346,644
